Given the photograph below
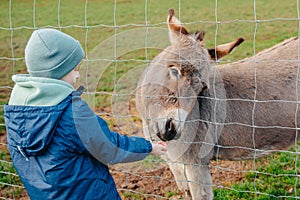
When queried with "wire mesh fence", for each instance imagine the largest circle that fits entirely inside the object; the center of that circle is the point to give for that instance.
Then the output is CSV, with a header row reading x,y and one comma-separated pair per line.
x,y
121,39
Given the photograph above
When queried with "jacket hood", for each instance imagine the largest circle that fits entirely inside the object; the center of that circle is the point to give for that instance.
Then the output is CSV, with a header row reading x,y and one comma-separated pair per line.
x,y
34,111
38,91
31,128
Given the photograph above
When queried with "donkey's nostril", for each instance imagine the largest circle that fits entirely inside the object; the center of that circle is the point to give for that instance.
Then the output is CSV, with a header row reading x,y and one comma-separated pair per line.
x,y
169,124
170,130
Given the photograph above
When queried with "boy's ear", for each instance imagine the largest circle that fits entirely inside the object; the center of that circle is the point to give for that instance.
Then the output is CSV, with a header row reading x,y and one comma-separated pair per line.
x,y
176,29
224,49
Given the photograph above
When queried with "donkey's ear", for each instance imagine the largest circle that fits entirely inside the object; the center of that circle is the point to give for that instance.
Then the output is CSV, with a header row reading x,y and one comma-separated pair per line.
x,y
224,49
200,37
176,29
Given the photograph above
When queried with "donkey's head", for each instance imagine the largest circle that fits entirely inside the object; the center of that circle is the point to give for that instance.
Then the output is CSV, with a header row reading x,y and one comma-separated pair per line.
x,y
169,88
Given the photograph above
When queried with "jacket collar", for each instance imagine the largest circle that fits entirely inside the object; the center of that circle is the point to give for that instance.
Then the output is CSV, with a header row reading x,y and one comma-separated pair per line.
x,y
38,91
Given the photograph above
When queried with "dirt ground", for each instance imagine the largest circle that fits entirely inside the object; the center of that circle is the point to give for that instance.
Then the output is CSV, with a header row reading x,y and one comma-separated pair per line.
x,y
160,183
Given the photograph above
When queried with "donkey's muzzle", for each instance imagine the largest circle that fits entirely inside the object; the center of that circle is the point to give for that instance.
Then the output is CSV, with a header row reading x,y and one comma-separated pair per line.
x,y
170,131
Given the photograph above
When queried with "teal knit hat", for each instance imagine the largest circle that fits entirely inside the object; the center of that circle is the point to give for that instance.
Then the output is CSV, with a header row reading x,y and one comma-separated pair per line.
x,y
50,53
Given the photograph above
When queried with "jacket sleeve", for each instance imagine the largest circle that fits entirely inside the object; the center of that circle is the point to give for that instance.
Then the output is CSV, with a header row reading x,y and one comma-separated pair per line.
x,y
106,146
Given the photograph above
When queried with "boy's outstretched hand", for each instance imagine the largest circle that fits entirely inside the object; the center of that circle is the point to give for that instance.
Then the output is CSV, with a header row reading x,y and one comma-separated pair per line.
x,y
159,148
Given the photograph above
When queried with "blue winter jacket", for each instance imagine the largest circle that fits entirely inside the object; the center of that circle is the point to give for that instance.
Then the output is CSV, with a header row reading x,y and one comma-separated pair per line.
x,y
62,151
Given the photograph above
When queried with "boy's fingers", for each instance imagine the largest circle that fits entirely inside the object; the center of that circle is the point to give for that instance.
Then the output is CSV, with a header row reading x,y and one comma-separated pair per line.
x,y
161,143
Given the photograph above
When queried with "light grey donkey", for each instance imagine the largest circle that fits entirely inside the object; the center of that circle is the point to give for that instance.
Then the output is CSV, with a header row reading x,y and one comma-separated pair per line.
x,y
236,111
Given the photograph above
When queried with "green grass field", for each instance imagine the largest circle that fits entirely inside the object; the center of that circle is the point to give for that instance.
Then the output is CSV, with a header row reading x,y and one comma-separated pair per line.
x,y
92,22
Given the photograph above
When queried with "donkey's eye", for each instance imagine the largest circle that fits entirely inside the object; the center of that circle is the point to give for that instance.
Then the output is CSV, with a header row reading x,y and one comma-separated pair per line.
x,y
174,73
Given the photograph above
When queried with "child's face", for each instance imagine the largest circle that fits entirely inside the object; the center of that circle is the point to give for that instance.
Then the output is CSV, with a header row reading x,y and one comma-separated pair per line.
x,y
72,76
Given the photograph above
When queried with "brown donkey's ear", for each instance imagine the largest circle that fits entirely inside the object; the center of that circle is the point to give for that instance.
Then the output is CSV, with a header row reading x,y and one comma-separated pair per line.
x,y
200,37
224,49
176,29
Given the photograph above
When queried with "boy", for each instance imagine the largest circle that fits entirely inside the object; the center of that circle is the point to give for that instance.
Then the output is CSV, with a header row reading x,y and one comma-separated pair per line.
x,y
58,145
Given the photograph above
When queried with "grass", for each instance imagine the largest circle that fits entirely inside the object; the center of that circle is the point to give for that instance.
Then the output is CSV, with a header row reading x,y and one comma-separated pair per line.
x,y
92,22
8,177
275,177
